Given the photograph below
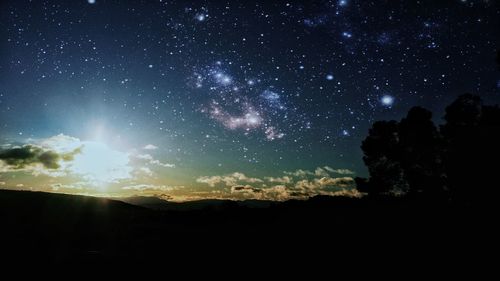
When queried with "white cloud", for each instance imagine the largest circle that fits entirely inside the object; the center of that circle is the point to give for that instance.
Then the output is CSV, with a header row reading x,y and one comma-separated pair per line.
x,y
339,171
320,172
336,182
284,179
2,183
151,160
61,143
322,182
150,147
147,157
229,180
304,185
151,187
277,193
146,171
158,163
211,181
318,183
93,162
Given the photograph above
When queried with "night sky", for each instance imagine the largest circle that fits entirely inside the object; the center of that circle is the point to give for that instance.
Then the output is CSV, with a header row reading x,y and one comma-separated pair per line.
x,y
217,99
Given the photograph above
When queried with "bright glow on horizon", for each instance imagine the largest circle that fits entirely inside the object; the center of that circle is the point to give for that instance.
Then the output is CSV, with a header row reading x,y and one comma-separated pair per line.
x,y
101,165
95,161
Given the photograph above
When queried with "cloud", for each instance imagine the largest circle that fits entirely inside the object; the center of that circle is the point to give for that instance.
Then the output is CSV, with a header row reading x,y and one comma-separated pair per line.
x,y
284,179
305,184
320,172
29,156
77,185
158,163
150,159
244,188
61,143
211,181
339,171
145,170
229,180
300,184
64,156
275,193
2,183
150,147
318,183
336,182
151,187
304,189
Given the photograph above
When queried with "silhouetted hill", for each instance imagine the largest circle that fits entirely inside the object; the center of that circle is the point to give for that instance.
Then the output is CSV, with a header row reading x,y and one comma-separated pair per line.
x,y
156,203
57,228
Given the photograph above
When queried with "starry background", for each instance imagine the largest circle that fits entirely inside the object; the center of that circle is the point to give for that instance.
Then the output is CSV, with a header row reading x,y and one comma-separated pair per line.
x,y
259,87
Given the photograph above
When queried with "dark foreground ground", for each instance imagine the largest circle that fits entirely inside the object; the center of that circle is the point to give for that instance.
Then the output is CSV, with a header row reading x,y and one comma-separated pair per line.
x,y
325,231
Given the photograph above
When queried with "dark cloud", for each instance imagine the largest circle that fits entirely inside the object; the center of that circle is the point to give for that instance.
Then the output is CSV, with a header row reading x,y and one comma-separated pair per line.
x,y
244,188
71,155
21,157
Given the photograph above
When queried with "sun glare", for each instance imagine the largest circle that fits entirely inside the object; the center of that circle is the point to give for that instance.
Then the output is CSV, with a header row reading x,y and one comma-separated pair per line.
x,y
100,165
94,161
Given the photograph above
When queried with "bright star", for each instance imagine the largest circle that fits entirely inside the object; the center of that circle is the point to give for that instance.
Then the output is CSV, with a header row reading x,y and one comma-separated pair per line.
x,y
387,100
347,34
200,17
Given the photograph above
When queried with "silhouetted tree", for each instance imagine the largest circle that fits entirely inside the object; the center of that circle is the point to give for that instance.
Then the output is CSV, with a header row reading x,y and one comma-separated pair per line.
x,y
420,147
404,157
413,158
472,148
382,157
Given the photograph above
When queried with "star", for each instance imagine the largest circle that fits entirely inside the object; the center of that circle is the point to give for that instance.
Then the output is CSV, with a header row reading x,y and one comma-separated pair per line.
x,y
200,17
387,100
346,34
342,3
